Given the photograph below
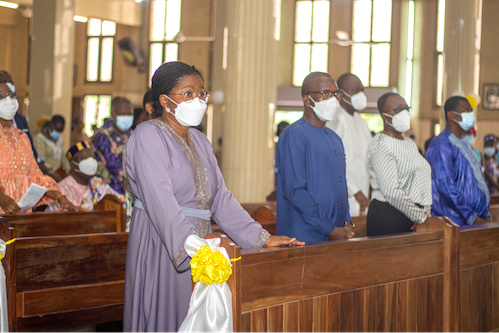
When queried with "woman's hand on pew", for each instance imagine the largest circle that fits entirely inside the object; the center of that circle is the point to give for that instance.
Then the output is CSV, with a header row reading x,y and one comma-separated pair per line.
x,y
282,241
63,201
414,226
8,204
67,205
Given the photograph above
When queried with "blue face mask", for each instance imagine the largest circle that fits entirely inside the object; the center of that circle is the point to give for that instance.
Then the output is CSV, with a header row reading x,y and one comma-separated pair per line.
x,y
489,151
469,138
467,120
124,123
55,135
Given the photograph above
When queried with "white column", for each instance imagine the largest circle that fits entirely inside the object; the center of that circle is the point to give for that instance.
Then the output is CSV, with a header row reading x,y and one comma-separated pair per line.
x,y
51,62
250,96
461,47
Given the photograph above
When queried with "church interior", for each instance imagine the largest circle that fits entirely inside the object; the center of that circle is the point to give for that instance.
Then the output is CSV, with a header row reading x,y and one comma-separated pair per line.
x,y
252,57
72,57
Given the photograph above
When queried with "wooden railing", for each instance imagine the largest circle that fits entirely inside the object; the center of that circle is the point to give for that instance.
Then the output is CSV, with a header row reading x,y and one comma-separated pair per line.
x,y
440,278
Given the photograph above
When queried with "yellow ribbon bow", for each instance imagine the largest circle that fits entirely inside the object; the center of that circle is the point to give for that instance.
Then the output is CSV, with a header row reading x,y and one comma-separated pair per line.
x,y
210,267
7,243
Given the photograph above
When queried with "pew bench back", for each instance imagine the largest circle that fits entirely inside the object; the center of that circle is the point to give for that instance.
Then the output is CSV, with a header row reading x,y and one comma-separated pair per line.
x,y
265,213
479,277
64,270
370,284
64,223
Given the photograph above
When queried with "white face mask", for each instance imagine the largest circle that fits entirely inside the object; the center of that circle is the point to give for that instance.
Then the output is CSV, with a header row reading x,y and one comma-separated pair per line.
x,y
87,166
358,101
8,107
489,151
401,121
189,113
326,110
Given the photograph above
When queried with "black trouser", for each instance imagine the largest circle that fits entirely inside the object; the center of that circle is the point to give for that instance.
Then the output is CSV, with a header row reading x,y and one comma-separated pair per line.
x,y
384,219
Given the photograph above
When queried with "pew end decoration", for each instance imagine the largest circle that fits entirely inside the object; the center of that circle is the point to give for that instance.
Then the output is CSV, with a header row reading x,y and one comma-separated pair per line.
x,y
4,318
210,308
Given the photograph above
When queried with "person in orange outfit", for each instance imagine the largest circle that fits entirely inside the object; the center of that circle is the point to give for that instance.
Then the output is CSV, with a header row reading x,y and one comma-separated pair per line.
x,y
18,167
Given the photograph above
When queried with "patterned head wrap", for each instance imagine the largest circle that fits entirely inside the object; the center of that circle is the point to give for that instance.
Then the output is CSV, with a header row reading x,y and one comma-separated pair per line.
x,y
490,137
76,148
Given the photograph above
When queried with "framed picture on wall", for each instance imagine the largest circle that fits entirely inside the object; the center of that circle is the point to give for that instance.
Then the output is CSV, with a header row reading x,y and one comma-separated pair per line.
x,y
491,96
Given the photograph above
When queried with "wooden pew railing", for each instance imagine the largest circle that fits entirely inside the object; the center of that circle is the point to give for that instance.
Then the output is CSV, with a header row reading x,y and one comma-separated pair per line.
x,y
265,214
440,278
494,199
494,212
65,269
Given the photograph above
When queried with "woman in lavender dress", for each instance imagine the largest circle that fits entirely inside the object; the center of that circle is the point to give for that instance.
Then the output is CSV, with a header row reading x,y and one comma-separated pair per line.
x,y
178,187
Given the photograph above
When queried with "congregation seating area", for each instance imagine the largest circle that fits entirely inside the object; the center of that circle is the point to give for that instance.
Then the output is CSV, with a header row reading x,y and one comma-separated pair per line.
x,y
66,270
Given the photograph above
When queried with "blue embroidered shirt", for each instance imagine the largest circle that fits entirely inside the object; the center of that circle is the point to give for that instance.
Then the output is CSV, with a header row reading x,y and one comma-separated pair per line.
x,y
312,194
458,188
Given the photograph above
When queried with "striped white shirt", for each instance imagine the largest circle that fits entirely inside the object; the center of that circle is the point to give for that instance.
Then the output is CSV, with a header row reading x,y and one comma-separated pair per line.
x,y
400,176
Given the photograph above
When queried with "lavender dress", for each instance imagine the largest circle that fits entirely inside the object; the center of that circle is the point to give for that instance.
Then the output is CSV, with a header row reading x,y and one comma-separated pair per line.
x,y
166,173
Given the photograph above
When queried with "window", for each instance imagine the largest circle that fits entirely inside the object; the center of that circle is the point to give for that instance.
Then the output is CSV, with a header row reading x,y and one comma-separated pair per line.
x,y
371,34
410,53
165,25
100,46
440,53
95,109
311,38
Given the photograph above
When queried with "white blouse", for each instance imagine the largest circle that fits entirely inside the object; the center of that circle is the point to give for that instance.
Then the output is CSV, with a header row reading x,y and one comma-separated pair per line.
x,y
400,176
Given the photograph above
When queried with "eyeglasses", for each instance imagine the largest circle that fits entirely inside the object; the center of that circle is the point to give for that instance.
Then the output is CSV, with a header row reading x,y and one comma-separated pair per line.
x,y
400,109
327,94
188,96
10,94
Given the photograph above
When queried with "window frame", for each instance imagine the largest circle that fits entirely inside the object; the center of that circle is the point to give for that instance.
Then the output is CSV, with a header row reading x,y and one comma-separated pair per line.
x,y
163,42
100,38
99,96
370,43
311,43
440,4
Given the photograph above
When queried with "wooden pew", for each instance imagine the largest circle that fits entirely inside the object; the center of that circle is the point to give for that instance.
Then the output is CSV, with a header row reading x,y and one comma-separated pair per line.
x,y
368,284
494,199
265,213
65,269
441,278
479,277
494,212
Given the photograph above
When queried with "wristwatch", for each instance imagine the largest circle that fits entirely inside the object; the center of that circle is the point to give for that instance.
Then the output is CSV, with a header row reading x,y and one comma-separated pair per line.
x,y
349,223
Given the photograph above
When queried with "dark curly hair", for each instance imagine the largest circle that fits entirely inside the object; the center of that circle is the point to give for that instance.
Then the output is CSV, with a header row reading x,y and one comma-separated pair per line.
x,y
166,78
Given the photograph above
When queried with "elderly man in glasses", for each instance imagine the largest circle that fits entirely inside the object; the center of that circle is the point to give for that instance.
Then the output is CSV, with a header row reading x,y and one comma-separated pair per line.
x,y
312,194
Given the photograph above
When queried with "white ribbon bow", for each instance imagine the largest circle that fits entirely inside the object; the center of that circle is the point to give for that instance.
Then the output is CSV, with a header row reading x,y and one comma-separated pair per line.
x,y
210,308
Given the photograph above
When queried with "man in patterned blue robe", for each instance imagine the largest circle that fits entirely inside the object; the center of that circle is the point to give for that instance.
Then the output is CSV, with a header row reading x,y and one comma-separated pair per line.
x,y
458,188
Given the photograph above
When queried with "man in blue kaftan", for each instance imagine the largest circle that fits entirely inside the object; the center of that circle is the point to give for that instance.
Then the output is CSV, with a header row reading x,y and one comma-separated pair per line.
x,y
458,188
312,194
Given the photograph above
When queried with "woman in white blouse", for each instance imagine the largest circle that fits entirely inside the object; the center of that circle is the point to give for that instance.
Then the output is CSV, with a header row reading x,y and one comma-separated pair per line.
x,y
400,176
